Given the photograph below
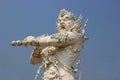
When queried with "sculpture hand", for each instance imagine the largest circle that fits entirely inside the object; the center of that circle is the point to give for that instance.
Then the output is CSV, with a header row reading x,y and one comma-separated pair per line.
x,y
30,40
16,43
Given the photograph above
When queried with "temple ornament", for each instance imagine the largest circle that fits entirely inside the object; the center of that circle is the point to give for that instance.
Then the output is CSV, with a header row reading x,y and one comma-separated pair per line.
x,y
56,53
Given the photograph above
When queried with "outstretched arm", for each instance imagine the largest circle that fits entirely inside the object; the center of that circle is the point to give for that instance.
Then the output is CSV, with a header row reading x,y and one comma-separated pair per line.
x,y
58,39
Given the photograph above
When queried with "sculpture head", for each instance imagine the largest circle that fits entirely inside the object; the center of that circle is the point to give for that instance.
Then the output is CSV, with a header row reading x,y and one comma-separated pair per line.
x,y
68,22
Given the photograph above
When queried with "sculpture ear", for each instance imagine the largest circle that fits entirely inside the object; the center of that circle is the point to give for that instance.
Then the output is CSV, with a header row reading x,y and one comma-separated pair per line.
x,y
86,38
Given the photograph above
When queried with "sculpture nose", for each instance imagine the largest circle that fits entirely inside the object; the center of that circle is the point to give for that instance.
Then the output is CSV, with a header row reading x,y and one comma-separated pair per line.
x,y
62,23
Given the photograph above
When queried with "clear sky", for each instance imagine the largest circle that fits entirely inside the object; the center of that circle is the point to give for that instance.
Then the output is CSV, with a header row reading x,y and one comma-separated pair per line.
x,y
100,58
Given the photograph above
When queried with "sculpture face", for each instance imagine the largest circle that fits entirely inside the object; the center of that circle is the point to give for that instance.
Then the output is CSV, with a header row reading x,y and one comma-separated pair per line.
x,y
65,21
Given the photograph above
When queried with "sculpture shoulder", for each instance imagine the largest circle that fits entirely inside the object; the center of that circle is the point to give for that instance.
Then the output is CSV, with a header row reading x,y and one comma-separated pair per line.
x,y
74,34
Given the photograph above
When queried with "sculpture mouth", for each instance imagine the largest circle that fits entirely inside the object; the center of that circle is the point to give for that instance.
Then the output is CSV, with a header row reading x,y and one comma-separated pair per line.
x,y
62,26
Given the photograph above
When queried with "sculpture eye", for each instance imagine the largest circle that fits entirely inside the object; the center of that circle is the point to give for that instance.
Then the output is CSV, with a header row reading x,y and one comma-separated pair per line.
x,y
58,20
67,17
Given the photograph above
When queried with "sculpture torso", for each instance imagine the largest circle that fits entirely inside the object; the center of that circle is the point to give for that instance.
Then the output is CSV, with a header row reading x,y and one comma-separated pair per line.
x,y
64,58
69,54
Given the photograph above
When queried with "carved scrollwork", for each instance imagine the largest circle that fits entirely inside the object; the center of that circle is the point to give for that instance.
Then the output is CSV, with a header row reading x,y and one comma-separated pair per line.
x,y
61,37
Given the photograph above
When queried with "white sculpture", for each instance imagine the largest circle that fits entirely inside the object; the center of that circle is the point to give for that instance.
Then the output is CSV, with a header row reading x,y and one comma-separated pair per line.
x,y
57,52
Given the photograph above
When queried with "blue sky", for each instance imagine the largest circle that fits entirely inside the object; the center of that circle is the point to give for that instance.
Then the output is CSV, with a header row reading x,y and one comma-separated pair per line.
x,y
20,18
